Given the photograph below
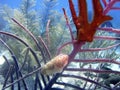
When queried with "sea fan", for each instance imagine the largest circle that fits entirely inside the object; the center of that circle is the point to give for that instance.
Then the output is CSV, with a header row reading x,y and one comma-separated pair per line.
x,y
69,71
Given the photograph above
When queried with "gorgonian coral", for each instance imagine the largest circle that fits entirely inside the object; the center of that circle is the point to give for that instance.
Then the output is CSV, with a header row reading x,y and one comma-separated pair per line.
x,y
85,29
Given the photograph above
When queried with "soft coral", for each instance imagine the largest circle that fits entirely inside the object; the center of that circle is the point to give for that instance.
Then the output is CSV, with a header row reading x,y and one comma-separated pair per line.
x,y
86,30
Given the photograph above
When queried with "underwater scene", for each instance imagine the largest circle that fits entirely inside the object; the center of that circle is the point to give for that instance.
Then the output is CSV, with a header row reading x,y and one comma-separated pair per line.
x,y
59,44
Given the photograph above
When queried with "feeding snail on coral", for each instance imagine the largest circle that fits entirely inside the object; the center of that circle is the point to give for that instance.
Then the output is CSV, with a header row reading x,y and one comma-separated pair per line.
x,y
55,65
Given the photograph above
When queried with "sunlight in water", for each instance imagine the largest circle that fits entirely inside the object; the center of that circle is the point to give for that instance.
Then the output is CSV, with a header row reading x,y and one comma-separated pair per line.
x,y
2,60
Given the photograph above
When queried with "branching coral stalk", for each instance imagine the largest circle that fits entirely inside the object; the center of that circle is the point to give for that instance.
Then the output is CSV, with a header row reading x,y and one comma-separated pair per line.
x,y
106,38
7,76
116,85
28,31
80,77
109,6
100,60
99,49
42,41
86,30
92,70
68,43
104,2
25,59
67,22
70,85
23,42
109,29
6,60
37,82
33,53
32,36
22,78
47,33
18,73
87,77
116,8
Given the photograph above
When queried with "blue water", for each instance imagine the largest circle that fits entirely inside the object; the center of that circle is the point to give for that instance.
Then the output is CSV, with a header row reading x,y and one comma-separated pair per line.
x,y
64,4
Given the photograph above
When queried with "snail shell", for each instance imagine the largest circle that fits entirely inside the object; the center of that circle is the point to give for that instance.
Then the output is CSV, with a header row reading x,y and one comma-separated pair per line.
x,y
55,65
